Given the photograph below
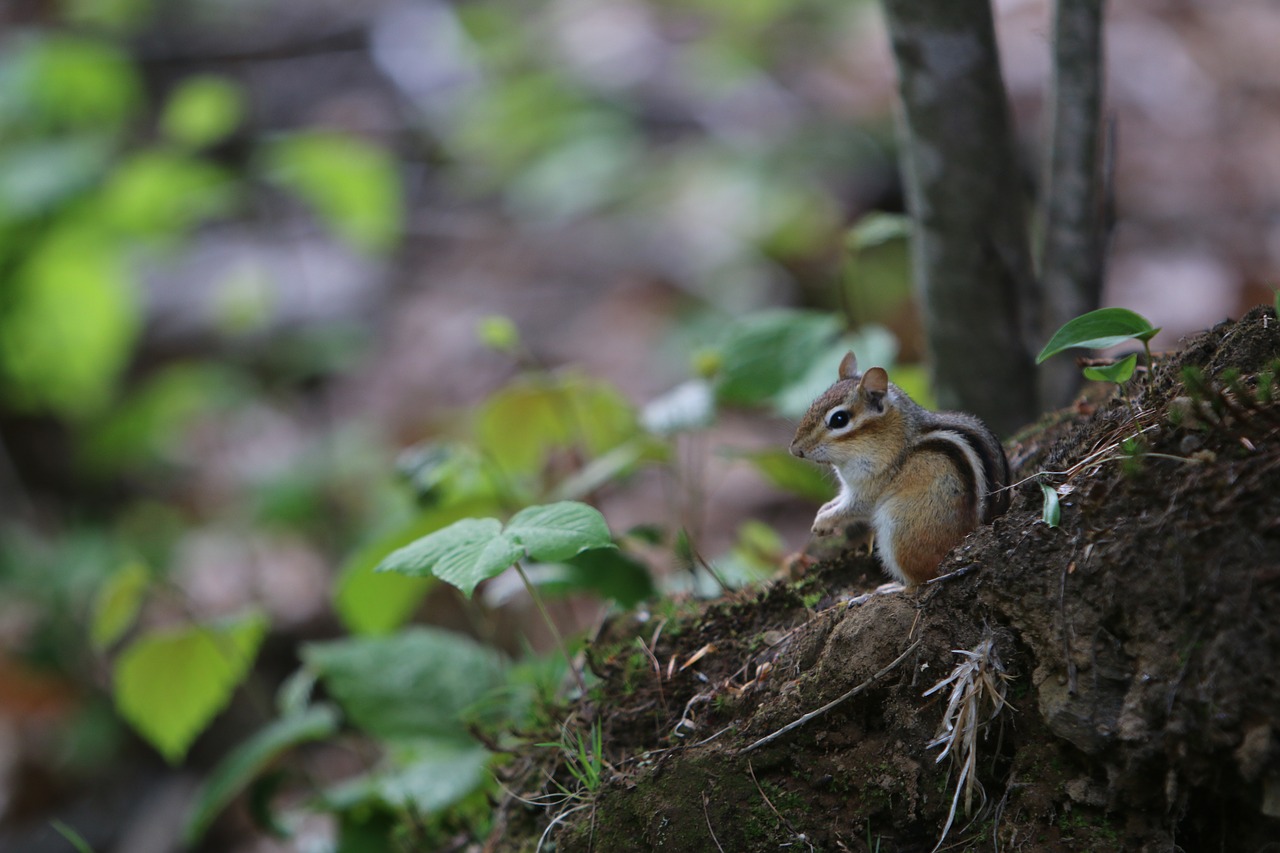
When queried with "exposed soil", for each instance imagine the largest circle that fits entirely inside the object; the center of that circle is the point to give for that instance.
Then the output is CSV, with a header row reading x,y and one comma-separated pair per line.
x,y
1142,636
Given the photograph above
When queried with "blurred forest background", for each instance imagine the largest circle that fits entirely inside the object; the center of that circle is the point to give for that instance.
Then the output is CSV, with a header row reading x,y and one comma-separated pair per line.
x,y
252,259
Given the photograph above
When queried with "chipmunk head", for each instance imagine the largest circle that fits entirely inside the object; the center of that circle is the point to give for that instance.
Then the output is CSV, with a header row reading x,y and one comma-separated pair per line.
x,y
829,429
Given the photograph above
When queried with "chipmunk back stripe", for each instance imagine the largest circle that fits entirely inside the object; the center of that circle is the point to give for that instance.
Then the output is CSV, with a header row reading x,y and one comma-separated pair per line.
x,y
995,469
957,449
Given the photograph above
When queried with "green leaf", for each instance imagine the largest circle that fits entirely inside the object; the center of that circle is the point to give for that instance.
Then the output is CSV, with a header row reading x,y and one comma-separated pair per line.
x,y
463,554
791,474
414,684
607,572
877,228
352,185
375,602
293,696
202,110
75,839
69,324
1119,372
119,17
432,775
116,606
765,352
64,81
1052,512
557,414
558,531
498,333
250,758
448,473
162,194
170,684
150,427
36,177
1099,329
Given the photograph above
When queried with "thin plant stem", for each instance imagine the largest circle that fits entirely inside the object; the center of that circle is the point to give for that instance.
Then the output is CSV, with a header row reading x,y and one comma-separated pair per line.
x,y
555,632
1151,365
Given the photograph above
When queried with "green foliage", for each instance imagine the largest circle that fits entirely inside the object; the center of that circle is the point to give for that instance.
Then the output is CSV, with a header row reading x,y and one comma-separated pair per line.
x,y
202,111
583,757
75,839
53,83
1051,514
463,554
117,604
248,760
36,177
790,474
763,353
161,195
70,325
96,182
498,333
1104,328
554,413
170,684
145,429
609,573
426,776
351,185
377,603
1119,372
876,229
414,685
1099,329
476,549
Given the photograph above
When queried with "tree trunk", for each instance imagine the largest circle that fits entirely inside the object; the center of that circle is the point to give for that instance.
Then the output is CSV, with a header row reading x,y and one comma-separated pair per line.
x,y
1072,256
970,246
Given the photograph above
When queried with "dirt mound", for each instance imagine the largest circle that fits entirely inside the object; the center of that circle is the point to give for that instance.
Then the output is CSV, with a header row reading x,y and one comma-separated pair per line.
x,y
1141,638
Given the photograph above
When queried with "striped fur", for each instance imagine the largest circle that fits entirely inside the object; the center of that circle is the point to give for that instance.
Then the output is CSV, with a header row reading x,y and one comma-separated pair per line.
x,y
922,480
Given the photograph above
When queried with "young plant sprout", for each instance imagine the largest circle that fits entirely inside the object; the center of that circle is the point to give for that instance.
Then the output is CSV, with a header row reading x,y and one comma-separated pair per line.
x,y
1099,329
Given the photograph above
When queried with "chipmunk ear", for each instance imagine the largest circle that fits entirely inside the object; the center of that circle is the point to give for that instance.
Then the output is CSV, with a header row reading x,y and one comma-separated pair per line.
x,y
875,384
849,366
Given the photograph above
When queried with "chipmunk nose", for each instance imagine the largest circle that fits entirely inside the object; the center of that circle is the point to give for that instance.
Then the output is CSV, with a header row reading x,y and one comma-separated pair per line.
x,y
796,451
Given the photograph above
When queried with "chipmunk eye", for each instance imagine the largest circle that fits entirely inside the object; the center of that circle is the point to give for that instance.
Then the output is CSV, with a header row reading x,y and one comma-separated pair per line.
x,y
838,419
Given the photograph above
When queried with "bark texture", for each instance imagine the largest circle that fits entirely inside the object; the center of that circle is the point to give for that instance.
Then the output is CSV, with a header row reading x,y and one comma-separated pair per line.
x,y
971,249
1075,227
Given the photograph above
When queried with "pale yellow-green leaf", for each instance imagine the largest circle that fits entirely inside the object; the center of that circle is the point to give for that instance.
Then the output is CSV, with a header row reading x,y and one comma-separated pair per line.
x,y
520,425
352,185
70,324
116,606
202,110
169,685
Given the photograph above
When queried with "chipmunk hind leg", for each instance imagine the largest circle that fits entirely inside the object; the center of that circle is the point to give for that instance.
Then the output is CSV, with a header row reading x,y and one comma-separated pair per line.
x,y
920,523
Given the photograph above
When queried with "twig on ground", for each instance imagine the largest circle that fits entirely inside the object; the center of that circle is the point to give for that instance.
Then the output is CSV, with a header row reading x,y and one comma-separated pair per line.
x,y
834,702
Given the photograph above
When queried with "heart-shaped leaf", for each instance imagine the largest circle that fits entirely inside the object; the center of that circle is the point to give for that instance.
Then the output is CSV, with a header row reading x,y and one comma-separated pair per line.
x,y
170,684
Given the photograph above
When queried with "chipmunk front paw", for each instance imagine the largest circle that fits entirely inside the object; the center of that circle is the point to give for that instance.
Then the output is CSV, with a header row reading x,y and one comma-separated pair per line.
x,y
826,525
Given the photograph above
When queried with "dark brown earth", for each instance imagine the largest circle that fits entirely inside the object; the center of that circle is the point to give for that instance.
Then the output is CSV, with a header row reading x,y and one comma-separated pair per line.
x,y
1142,636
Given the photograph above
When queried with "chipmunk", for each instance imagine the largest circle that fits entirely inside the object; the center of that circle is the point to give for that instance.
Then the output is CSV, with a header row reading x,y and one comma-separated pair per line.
x,y
922,480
